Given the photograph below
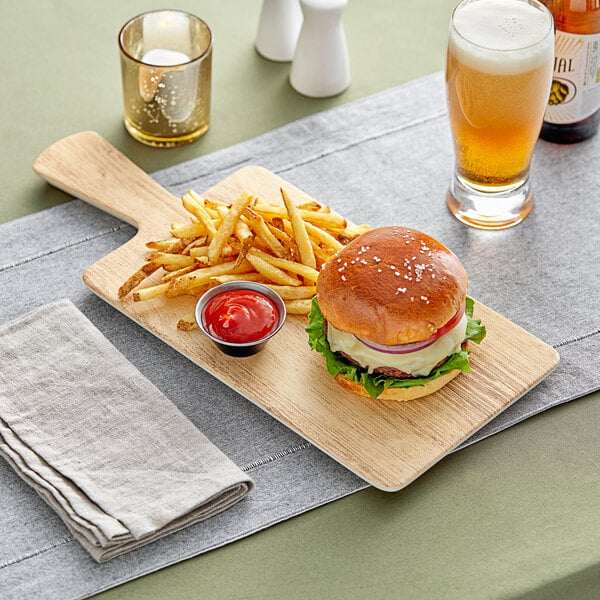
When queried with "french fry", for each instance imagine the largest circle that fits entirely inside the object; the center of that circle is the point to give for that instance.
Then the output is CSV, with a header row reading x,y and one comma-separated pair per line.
x,y
227,226
135,280
210,204
170,261
187,230
278,231
307,256
227,251
187,323
284,237
271,272
288,292
220,210
310,205
197,243
174,274
321,253
242,231
323,237
199,277
277,222
329,220
348,233
246,245
294,251
260,228
197,291
324,219
260,245
240,277
298,307
199,251
356,230
171,245
214,215
150,292
287,265
194,206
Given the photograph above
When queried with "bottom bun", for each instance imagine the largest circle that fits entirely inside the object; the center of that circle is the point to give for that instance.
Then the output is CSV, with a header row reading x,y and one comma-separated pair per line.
x,y
401,394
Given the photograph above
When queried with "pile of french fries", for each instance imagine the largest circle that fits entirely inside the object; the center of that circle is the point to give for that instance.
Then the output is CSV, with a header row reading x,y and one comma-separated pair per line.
x,y
281,246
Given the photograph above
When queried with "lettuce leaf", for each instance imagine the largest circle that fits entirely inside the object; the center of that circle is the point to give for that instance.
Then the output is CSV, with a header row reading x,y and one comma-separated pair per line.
x,y
376,383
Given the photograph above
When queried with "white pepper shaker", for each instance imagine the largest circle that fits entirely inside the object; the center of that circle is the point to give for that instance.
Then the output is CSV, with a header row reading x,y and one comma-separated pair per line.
x,y
278,29
321,67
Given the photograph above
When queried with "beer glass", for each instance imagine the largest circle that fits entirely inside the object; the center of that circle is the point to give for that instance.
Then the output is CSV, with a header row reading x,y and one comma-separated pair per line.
x,y
498,74
166,70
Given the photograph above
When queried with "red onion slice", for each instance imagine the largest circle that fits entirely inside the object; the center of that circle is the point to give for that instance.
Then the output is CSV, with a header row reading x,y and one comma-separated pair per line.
x,y
397,348
415,346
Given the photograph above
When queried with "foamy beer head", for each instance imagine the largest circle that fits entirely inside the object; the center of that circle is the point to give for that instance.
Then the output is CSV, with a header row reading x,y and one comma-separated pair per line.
x,y
502,37
498,74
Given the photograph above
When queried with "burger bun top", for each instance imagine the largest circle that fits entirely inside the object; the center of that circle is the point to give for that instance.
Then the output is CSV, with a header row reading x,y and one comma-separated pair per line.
x,y
392,285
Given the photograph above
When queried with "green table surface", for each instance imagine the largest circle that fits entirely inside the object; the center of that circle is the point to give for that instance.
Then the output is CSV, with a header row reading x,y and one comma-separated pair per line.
x,y
514,516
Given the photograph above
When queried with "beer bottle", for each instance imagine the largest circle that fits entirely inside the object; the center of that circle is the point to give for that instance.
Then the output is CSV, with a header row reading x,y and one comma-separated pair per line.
x,y
573,112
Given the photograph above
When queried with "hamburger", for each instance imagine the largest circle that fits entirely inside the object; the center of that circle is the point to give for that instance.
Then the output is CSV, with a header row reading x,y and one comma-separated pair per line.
x,y
391,315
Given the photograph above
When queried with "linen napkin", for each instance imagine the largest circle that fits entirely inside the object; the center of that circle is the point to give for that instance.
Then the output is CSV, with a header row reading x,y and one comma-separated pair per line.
x,y
119,463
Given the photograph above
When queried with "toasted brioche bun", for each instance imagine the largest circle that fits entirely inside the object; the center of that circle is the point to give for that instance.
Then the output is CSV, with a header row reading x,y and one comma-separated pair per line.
x,y
392,285
401,394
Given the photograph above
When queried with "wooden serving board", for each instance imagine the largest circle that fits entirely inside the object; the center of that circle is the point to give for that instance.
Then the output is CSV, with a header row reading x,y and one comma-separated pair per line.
x,y
388,444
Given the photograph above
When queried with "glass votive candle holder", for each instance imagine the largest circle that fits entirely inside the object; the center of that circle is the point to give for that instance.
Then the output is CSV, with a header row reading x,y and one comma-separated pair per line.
x,y
166,62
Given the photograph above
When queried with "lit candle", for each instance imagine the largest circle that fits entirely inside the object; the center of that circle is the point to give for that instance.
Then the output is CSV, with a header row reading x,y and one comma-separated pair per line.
x,y
172,89
160,57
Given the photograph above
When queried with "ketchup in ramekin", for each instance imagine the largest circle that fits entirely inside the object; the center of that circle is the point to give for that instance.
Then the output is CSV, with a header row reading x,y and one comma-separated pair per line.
x,y
240,316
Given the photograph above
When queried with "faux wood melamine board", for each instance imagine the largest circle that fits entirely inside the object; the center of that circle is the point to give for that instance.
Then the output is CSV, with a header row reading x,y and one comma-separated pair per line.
x,y
388,444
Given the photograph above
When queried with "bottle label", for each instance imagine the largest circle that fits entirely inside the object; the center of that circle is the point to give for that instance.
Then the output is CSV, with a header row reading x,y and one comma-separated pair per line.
x,y
575,91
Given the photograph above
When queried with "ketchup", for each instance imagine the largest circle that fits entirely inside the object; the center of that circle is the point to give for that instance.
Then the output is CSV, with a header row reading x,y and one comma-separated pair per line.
x,y
240,316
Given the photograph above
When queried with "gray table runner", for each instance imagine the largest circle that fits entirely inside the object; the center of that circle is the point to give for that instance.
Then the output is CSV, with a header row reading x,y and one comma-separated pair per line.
x,y
384,159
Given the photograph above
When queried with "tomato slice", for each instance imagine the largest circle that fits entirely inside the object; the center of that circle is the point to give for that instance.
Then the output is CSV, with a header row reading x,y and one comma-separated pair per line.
x,y
415,346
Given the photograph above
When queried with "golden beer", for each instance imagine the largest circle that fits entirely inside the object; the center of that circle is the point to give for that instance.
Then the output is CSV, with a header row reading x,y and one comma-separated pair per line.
x,y
498,74
496,121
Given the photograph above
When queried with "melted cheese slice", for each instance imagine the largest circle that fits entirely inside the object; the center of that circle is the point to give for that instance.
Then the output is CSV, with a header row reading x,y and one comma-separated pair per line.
x,y
416,363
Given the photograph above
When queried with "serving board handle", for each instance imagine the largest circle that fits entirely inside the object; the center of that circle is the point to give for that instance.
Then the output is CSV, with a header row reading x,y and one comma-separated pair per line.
x,y
86,166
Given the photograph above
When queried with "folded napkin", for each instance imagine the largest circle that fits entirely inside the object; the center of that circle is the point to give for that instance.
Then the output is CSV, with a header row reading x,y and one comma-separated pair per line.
x,y
101,445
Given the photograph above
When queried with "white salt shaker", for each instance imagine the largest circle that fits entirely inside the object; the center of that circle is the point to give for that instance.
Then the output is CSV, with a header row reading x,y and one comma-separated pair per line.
x,y
321,67
278,29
